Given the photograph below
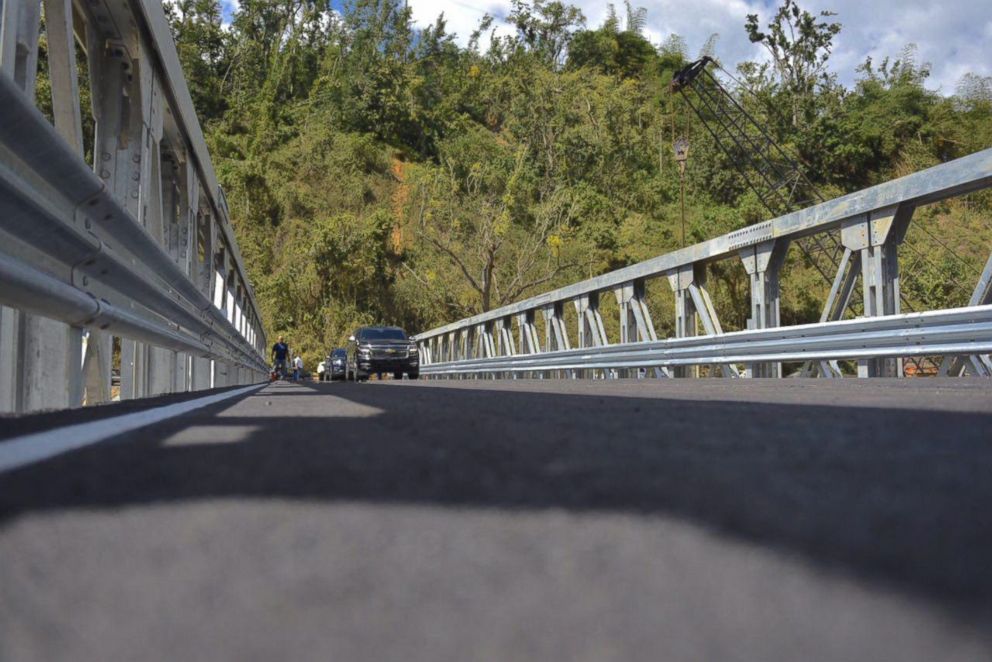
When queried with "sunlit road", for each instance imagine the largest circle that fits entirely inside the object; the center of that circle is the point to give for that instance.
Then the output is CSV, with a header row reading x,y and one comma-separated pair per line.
x,y
555,520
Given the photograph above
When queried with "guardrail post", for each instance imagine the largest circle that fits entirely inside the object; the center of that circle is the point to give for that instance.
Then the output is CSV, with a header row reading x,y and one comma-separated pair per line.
x,y
529,342
203,258
240,301
506,345
9,359
98,358
556,335
465,346
189,204
203,249
877,236
762,262
692,305
555,332
120,162
157,204
635,319
685,312
219,369
488,344
96,352
590,326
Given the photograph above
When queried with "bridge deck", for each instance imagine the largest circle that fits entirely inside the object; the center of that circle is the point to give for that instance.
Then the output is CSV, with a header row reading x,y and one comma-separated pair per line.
x,y
516,520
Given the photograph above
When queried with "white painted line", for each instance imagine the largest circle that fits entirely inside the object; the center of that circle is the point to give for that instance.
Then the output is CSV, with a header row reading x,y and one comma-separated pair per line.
x,y
31,448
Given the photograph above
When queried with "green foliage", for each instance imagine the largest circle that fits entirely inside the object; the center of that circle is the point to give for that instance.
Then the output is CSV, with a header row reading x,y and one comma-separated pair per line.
x,y
545,28
625,53
377,172
799,44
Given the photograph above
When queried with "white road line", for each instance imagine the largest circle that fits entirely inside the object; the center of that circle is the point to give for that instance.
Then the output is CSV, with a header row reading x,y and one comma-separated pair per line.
x,y
31,448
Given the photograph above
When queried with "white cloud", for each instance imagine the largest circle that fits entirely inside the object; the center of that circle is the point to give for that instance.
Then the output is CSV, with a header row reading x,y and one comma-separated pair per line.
x,y
462,17
948,35
953,36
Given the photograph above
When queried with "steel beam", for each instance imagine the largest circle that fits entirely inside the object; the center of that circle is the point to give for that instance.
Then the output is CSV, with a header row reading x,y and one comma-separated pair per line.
x,y
763,263
877,236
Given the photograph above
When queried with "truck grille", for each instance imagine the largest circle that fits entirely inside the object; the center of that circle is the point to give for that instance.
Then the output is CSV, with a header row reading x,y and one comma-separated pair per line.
x,y
390,353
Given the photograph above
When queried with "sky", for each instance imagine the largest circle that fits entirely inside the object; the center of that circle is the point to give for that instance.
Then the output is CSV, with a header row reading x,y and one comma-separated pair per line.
x,y
954,36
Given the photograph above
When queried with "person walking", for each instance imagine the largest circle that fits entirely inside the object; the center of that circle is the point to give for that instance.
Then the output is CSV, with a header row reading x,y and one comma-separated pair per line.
x,y
297,368
280,352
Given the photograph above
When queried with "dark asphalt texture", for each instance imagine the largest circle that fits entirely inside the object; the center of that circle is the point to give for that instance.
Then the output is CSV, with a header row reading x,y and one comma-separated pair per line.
x,y
525,520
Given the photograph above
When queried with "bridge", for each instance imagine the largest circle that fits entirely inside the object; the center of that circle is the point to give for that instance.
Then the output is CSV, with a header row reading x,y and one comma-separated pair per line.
x,y
561,483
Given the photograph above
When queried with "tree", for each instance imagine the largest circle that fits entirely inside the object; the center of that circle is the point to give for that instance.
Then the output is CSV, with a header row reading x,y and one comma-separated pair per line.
x,y
800,45
477,212
196,27
545,28
625,53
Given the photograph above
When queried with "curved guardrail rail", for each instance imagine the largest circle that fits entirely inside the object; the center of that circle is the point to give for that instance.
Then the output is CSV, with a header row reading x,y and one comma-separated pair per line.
x,y
872,224
137,246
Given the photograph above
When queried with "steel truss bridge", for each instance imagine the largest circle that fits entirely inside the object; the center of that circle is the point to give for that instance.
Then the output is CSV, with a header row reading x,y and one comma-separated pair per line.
x,y
872,224
476,514
128,237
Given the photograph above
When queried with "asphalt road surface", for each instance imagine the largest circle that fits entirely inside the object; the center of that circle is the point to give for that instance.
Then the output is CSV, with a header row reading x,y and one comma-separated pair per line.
x,y
525,520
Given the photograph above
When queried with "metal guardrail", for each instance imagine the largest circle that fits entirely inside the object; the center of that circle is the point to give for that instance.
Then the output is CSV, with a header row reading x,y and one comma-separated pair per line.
x,y
957,331
137,247
872,224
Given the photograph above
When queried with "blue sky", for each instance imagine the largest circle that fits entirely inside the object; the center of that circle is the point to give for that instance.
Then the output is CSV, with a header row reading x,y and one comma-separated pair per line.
x,y
954,36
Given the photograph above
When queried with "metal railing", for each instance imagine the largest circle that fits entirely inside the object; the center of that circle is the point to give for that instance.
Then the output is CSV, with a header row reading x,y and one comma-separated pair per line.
x,y
131,260
872,224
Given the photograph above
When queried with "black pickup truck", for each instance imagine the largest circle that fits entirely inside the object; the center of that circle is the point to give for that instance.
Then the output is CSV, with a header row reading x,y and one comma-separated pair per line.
x,y
382,349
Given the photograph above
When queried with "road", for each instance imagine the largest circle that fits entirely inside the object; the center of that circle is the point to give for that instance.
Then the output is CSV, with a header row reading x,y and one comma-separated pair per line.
x,y
518,520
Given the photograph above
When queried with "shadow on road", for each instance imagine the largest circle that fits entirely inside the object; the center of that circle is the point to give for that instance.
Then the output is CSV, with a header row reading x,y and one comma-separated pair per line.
x,y
898,496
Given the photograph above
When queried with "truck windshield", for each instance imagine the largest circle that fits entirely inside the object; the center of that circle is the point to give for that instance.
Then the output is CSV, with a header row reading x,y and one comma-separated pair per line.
x,y
382,334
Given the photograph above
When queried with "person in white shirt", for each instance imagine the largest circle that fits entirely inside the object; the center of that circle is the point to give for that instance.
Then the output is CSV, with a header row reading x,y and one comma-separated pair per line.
x,y
321,369
297,368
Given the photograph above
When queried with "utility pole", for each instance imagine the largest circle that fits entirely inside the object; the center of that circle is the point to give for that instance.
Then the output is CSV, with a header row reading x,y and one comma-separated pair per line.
x,y
681,155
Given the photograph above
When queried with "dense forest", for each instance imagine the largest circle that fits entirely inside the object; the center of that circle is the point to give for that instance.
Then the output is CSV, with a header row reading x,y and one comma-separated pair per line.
x,y
378,172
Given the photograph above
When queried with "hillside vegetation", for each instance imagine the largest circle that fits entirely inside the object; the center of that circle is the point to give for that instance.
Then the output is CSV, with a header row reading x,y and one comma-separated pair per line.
x,y
381,173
